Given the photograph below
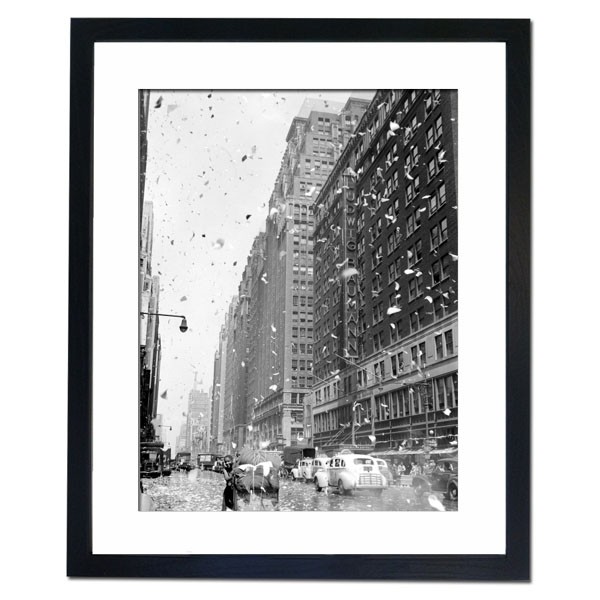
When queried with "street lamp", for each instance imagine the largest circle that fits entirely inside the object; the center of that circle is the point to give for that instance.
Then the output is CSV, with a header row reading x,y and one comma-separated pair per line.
x,y
183,327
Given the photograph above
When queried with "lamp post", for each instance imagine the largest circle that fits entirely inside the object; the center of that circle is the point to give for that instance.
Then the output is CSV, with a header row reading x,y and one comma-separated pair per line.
x,y
183,327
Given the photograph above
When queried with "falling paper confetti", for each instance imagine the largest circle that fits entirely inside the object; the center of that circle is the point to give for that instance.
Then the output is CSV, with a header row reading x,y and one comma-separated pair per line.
x,y
435,503
348,273
392,310
219,243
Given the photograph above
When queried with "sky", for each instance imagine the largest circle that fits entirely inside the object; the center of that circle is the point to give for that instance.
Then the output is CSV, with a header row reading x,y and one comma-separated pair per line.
x,y
213,157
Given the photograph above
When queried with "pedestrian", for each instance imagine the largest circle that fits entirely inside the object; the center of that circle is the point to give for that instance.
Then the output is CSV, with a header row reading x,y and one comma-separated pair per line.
x,y
429,467
228,492
401,470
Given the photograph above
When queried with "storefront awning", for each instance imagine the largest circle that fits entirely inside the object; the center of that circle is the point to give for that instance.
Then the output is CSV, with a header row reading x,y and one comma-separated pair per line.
x,y
440,451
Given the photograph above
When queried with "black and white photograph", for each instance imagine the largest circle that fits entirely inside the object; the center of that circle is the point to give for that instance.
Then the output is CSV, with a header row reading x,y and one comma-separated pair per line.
x,y
298,300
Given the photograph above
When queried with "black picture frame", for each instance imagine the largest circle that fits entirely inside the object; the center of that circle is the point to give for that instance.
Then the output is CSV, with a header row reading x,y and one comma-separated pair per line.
x,y
514,565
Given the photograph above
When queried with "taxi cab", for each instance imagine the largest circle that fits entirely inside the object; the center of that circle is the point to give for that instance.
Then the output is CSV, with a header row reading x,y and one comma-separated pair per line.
x,y
308,467
349,472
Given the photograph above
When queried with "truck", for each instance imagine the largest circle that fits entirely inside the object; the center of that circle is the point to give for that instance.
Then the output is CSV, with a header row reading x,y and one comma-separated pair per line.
x,y
206,460
293,454
154,461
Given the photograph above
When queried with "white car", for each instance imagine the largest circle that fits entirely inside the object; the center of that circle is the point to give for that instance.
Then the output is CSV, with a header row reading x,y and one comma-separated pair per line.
x,y
305,469
349,472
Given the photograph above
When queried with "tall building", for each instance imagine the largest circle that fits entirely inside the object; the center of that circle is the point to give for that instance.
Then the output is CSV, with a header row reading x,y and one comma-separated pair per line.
x,y
215,400
231,372
150,343
257,356
181,442
144,106
386,273
219,385
279,276
198,421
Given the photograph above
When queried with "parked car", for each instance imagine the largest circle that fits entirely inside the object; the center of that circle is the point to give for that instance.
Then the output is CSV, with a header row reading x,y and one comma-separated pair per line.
x,y
349,472
385,470
443,478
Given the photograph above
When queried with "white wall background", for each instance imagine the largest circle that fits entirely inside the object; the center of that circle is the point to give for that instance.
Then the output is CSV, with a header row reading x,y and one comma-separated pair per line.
x,y
34,105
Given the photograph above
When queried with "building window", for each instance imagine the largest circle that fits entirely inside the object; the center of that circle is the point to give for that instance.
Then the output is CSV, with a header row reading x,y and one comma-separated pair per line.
x,y
428,105
429,137
379,370
438,127
449,339
394,240
361,378
413,222
415,288
437,199
377,256
378,313
439,347
432,169
397,361
439,308
414,156
440,269
410,194
392,274
416,320
421,354
439,233
415,253
440,394
376,284
416,400
378,341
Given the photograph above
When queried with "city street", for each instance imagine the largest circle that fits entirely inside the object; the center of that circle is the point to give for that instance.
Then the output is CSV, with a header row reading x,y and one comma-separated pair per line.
x,y
202,491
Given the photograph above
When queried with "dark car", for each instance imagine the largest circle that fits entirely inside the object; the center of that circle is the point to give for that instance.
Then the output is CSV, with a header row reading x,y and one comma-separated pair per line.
x,y
443,478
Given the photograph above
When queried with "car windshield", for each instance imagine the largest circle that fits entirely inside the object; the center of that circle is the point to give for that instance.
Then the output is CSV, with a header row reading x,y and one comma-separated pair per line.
x,y
363,461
